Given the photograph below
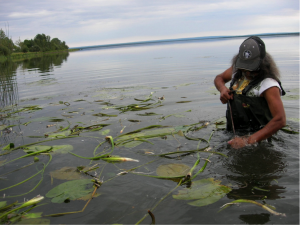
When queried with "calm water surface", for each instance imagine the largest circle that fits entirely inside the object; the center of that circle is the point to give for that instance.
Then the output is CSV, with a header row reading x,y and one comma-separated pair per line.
x,y
72,88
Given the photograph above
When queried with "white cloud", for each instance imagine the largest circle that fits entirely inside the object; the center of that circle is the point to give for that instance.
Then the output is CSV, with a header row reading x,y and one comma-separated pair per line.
x,y
31,14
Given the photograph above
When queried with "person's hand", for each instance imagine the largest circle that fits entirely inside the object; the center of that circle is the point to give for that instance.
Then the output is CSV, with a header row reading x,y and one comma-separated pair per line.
x,y
238,142
225,95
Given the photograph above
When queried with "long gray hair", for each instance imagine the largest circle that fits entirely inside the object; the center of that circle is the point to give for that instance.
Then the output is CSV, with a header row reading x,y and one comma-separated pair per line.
x,y
268,68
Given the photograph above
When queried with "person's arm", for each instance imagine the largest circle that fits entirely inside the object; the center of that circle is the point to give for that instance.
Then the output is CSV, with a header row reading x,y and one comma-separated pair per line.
x,y
272,95
220,82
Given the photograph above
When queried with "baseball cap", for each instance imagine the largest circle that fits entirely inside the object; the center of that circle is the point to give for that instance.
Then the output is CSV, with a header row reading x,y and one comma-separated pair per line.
x,y
251,53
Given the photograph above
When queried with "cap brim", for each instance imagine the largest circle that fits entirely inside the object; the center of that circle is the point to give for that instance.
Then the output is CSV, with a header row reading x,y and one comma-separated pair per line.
x,y
250,65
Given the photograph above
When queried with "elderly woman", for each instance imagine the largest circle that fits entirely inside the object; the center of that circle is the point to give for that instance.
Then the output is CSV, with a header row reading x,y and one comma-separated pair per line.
x,y
254,96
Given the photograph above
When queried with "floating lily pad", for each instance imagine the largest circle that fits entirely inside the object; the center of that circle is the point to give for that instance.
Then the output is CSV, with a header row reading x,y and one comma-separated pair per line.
x,y
105,132
203,192
70,190
221,123
66,173
60,134
88,196
2,204
172,170
36,148
134,139
62,149
2,127
33,215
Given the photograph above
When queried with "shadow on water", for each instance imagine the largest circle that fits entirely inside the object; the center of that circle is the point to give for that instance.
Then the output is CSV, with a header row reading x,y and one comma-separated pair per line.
x,y
256,171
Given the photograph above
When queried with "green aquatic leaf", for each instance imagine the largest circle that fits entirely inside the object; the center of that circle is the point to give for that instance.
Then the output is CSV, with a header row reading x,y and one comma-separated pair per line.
x,y
102,114
66,173
293,119
148,114
134,139
221,123
2,127
2,204
289,130
62,149
35,221
36,148
105,132
183,101
70,190
172,170
33,215
203,192
9,146
60,134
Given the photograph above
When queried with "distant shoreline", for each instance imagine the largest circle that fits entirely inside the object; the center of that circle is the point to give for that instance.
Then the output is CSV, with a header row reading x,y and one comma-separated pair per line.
x,y
19,56
184,39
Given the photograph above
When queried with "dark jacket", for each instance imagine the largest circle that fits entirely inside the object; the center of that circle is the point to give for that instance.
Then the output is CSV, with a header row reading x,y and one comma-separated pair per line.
x,y
248,113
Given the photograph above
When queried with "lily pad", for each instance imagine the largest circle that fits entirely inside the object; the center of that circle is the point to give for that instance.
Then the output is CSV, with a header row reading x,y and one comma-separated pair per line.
x,y
203,192
63,149
2,204
70,190
60,134
36,148
172,170
134,139
66,173
105,132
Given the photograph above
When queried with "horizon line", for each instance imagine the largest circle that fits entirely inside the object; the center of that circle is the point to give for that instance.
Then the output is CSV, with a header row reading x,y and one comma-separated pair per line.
x,y
183,39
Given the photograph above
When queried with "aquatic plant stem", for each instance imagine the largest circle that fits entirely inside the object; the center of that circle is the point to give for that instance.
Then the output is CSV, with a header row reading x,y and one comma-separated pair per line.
x,y
31,154
253,202
51,139
50,158
160,201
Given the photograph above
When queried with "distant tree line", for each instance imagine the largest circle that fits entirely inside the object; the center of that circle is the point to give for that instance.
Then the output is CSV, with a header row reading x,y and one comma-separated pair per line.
x,y
40,43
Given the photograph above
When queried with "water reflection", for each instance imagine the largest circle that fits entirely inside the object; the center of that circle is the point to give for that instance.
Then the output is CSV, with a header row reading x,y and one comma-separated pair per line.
x,y
46,63
256,170
261,218
254,173
9,94
8,85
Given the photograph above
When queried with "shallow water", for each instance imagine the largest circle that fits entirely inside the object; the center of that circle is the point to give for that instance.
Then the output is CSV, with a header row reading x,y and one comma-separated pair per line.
x,y
69,87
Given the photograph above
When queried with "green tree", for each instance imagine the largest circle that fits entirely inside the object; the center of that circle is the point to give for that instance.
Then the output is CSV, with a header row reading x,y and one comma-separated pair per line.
x,y
6,44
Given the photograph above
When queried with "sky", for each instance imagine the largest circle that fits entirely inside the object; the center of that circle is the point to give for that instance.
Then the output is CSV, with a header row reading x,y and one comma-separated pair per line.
x,y
97,22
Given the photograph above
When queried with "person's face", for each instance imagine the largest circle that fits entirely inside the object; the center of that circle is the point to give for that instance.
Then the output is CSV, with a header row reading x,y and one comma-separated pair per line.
x,y
249,74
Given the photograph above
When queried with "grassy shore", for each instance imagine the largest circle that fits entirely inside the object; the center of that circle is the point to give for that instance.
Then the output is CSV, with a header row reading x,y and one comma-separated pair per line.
x,y
19,56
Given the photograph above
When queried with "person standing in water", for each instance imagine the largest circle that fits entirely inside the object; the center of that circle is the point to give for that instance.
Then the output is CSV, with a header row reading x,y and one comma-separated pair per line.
x,y
254,96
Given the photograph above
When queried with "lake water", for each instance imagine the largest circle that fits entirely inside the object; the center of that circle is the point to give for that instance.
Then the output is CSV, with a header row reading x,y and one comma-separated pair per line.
x,y
80,89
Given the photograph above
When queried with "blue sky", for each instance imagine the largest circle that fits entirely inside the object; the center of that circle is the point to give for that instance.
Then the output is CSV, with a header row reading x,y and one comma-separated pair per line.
x,y
96,22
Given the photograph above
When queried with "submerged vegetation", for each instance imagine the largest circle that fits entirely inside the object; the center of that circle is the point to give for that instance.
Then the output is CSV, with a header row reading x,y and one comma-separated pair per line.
x,y
84,181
